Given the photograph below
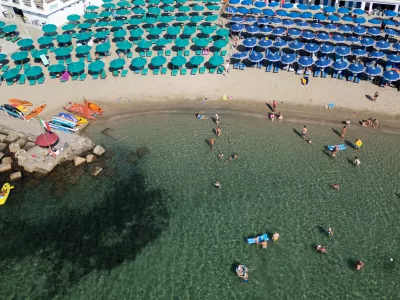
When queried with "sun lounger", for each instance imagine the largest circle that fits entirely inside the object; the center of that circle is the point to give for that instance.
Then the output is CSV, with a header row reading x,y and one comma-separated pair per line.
x,y
212,70
242,66
51,49
388,65
82,59
223,52
236,65
22,79
60,61
75,77
95,76
180,53
357,78
335,75
5,68
183,71
350,78
174,72
156,71
32,82
149,53
1,79
41,80
163,71
115,73
199,52
8,38
220,70
268,68
15,39
89,58
202,70
308,72
19,67
300,70
2,35
10,83
129,55
82,77
193,71
145,71
258,65
142,54
317,73
323,75
124,73
68,61
137,71
103,74
276,68
167,52
340,75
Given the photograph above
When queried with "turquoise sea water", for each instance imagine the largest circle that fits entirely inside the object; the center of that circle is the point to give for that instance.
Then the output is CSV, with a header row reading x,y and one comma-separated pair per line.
x,y
156,228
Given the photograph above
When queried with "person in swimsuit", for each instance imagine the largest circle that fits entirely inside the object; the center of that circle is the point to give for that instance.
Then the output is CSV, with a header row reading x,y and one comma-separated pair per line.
x,y
218,131
262,243
321,249
200,117
211,142
356,161
272,116
221,156
334,151
275,237
336,186
359,265
217,184
304,132
242,272
330,232
343,132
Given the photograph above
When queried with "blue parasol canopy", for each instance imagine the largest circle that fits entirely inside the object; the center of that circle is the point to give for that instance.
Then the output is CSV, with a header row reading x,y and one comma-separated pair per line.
x,y
243,10
260,4
264,43
268,12
338,38
288,59
343,10
320,17
316,25
302,24
366,42
359,20
273,57
373,71
323,62
256,56
390,13
322,36
356,68
294,14
263,21
305,61
330,26
278,31
329,9
250,42
308,35
352,39
233,2
302,6
255,10
327,48
252,29
236,19
340,65
390,31
360,30
314,7
239,55
345,28
287,5
266,29
375,21
347,18
358,11
376,54
342,50
391,75
382,45
359,52
396,46
273,4
281,13
294,32
275,20
393,58
374,31
237,27
333,18
296,45
311,47
280,43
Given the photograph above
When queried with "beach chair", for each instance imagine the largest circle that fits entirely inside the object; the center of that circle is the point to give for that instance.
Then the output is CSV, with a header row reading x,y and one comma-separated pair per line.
x,y
4,68
75,77
223,52
276,68
19,67
115,73
41,80
269,67
335,75
212,70
236,65
60,61
317,73
167,52
82,59
142,54
193,71
179,53
8,38
22,79
220,70
323,74
137,71
350,77
145,71
258,65
156,71
163,71
53,76
89,58
2,35
1,79
186,52
82,77
202,70
388,65
291,68
300,70
340,75
129,55
357,78
174,72
160,52
26,66
308,72
183,71
199,52
51,49
68,61
95,76
149,53
124,73
103,74
10,83
32,82
242,66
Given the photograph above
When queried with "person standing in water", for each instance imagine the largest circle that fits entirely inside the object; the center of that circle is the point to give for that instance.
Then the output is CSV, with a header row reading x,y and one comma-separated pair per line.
x,y
304,132
343,133
356,161
330,232
211,142
218,131
359,265
275,237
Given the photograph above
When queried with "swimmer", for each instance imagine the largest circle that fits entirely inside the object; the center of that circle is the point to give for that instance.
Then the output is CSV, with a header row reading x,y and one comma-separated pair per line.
x,y
330,232
221,156
242,272
356,161
359,265
263,243
234,156
308,141
200,117
217,184
218,131
304,132
321,249
275,237
336,186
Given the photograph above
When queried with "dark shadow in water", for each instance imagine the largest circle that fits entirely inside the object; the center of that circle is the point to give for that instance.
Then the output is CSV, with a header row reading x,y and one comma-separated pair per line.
x,y
297,132
350,144
129,216
397,194
351,263
336,132
233,267
350,161
327,153
214,120
322,230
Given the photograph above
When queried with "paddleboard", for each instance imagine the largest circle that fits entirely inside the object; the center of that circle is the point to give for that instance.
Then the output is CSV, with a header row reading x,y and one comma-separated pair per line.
x,y
19,102
261,238
35,112
68,117
21,108
62,128
6,187
340,147
63,122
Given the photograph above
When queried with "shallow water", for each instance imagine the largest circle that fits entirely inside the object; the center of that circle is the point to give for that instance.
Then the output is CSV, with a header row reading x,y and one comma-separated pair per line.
x,y
158,229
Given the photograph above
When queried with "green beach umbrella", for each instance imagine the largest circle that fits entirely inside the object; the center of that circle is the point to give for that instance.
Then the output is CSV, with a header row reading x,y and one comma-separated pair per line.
x,y
83,49
106,13
167,2
211,18
196,60
154,10
25,43
181,1
103,47
189,30
196,19
18,56
162,42
173,30
123,12
139,2
168,8
49,28
220,44
45,40
83,36
158,61
101,35
222,32
154,31
184,8
92,7
139,11
96,66
207,30
182,18
10,74
198,8
76,67
85,25
120,33
117,23
216,60
73,18
154,2
144,44
90,16
125,45
34,71
107,6
166,19
201,42
2,24
124,4
150,20
36,54
117,63
213,7
102,24
2,56
178,61
181,43
134,21
138,62
64,38
57,68
136,33
68,27
107,1
62,51
9,28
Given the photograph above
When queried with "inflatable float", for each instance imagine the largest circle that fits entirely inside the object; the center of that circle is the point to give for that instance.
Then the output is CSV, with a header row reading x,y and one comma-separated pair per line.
x,y
5,189
340,147
260,238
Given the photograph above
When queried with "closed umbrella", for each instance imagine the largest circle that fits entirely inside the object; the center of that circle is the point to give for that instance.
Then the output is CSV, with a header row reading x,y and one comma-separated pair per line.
x,y
45,40
196,60
158,61
359,52
367,42
18,56
138,62
323,62
117,63
273,57
76,67
216,60
382,45
376,54
62,51
264,43
202,42
34,71
10,74
288,59
144,44
296,45
340,65
173,30
250,42
64,38
327,48
373,71
49,28
294,32
356,68
305,61
311,47
57,68
103,47
256,57
84,49
178,61
25,43
343,50
391,75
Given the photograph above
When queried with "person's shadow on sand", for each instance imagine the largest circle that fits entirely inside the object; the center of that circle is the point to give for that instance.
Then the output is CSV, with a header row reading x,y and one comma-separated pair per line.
x,y
214,120
270,107
337,132
297,132
368,97
350,144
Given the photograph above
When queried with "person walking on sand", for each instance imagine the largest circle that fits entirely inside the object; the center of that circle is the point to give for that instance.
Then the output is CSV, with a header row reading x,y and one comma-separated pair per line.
x,y
304,132
274,105
343,133
375,96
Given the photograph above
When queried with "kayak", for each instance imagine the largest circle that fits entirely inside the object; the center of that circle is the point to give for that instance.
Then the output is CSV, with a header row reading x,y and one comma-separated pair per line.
x,y
35,112
19,102
81,120
68,117
11,113
21,108
81,110
94,107
6,188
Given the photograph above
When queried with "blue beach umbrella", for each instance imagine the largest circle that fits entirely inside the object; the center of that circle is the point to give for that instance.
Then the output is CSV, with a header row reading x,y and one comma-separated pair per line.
x,y
256,56
45,40
342,50
275,21
73,18
347,18
359,52
76,67
288,59
231,10
390,13
367,42
338,38
233,2
320,17
306,15
296,45
37,54
330,26
57,68
255,10
305,61
260,4
239,55
281,13
396,46
376,54
343,10
294,32
136,33
251,20
273,57
391,75
375,21
266,29
390,31
316,25
382,45
288,22
268,12
358,11
243,10
314,7
322,36
237,27
352,39
389,22
311,47
117,63
273,4
359,20
96,66
64,38
83,49
287,5
278,31
302,24
102,48
264,43
302,6
252,29
356,68
280,43
333,18
263,21
236,19
124,45
294,15
250,42
245,2
329,9
360,30
340,65
323,62
327,48
173,30
373,71
25,43
393,58
345,28
308,35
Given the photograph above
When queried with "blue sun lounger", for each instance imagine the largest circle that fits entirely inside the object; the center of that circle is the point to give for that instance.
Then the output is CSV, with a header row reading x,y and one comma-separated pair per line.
x,y
261,238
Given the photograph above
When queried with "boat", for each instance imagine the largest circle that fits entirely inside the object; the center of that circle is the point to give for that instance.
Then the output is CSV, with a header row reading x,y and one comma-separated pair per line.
x,y
97,109
81,120
6,190
21,108
64,122
35,112
82,110
68,116
19,102
13,113
61,128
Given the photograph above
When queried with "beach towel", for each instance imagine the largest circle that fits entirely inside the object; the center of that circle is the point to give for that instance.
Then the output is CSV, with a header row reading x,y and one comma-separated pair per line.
x,y
304,80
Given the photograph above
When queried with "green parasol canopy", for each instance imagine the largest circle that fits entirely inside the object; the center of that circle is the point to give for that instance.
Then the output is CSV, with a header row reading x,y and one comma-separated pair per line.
x,y
167,2
123,12
38,53
90,16
64,38
125,45
34,71
207,30
178,61
196,19
138,11
92,7
85,25
201,42
182,18
76,67
2,56
10,74
134,21
45,40
139,2
2,24
73,18
150,20
184,8
216,60
101,35
117,63
25,43
62,51
158,61
83,36
154,30
181,1
107,1
9,28
96,66
211,18
102,24
83,49
136,33
144,44
56,68
168,8
154,2
120,33
138,62
162,42
68,27
18,56
222,32
49,28
166,19
196,60
124,4
103,47
117,23
154,10
198,8
220,44
213,7
181,43
189,30
106,13
173,30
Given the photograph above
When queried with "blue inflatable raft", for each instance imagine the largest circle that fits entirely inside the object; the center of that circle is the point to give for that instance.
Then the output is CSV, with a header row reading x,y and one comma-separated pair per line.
x,y
341,147
260,238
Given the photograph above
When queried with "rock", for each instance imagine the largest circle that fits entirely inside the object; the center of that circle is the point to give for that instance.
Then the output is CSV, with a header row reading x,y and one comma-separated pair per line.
x,y
12,137
29,145
5,167
3,146
98,150
1,155
2,138
79,160
142,151
14,147
109,132
96,171
7,160
21,156
21,142
30,166
15,176
91,158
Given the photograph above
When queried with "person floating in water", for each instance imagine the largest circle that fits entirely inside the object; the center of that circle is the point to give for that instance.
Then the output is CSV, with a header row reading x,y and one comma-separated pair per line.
x,y
218,131
262,243
359,265
233,157
275,237
330,232
217,184
243,273
321,249
334,151
356,161
200,117
336,186
308,141
304,132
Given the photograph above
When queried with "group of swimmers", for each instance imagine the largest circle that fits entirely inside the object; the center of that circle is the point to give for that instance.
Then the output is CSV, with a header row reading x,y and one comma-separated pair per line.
x,y
370,122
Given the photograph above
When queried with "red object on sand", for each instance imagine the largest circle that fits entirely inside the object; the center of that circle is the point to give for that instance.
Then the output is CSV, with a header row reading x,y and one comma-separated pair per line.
x,y
45,139
81,110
